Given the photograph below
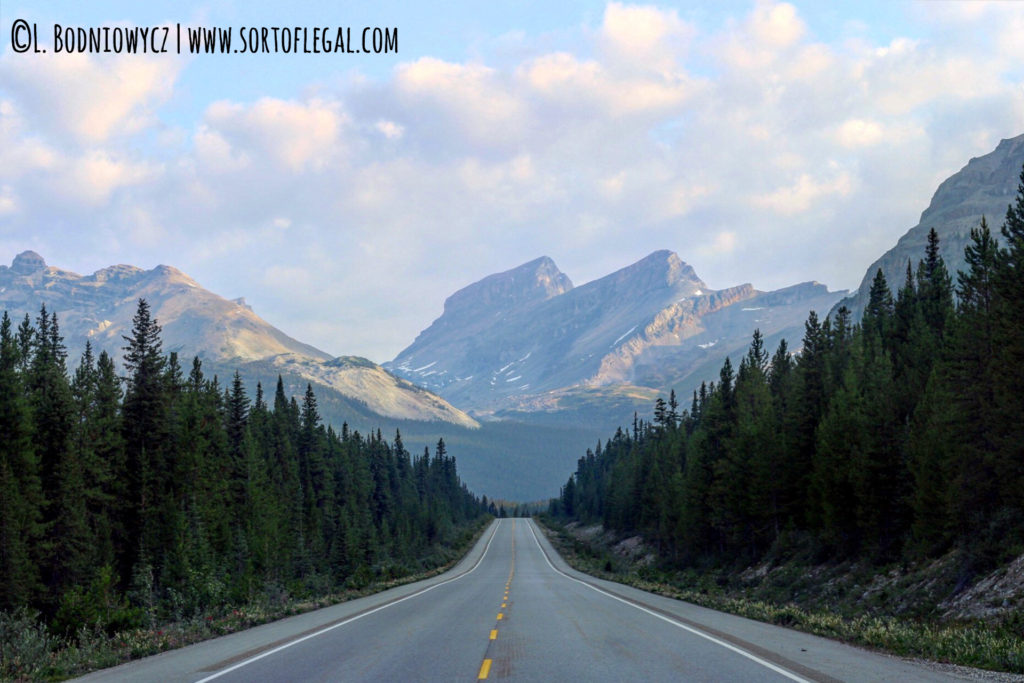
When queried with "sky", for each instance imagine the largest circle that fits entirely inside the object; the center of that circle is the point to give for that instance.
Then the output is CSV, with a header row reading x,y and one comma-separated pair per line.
x,y
345,196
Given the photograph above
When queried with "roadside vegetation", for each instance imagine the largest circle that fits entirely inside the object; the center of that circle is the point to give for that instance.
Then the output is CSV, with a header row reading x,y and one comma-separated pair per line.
x,y
145,511
830,601
29,650
892,442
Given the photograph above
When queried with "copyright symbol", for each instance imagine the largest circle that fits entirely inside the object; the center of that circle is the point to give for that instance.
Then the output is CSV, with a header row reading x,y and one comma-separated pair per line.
x,y
20,27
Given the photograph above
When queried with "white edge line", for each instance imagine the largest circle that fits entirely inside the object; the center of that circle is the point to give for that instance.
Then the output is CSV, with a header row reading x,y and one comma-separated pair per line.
x,y
351,619
763,662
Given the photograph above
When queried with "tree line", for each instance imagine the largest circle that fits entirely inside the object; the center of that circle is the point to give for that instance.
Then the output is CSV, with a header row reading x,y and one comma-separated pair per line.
x,y
163,493
898,437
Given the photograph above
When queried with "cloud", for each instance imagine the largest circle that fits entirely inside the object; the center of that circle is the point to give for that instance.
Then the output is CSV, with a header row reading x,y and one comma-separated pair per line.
x,y
471,96
768,33
349,210
8,203
854,133
644,36
793,199
776,24
296,135
582,85
723,243
390,129
94,176
90,99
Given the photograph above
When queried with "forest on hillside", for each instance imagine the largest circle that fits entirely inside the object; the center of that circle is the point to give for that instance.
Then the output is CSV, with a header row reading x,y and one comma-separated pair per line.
x,y
896,438
163,493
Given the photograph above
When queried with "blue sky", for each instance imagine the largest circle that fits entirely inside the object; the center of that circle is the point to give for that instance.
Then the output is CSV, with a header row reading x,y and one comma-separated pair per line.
x,y
346,196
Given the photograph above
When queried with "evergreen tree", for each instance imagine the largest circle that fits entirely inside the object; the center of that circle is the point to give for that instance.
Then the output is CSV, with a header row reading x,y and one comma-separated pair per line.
x,y
1008,384
21,497
145,421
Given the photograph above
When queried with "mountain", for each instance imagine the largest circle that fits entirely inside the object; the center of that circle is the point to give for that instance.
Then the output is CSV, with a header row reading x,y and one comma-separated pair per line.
x,y
984,187
525,342
500,459
226,335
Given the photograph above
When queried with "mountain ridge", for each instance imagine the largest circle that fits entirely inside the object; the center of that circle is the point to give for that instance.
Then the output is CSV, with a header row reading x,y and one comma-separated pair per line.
x,y
985,186
225,335
528,354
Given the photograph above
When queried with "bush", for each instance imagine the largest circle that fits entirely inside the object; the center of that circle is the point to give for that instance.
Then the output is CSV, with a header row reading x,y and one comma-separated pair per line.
x,y
99,606
25,645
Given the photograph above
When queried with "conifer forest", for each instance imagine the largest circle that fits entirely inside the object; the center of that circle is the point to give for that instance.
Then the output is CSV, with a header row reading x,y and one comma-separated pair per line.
x,y
127,500
899,437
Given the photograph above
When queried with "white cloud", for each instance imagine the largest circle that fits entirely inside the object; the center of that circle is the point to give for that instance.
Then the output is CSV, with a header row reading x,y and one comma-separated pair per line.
x,y
472,96
390,129
8,204
723,243
793,199
582,85
596,146
767,34
854,133
93,177
776,24
645,36
296,135
90,99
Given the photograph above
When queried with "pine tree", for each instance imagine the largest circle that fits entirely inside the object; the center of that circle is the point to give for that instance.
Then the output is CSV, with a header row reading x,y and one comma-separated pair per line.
x,y
1008,388
145,422
21,497
64,554
878,312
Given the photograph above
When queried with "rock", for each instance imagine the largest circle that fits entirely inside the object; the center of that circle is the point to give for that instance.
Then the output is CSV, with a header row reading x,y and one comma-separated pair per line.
x,y
28,262
984,187
226,335
527,341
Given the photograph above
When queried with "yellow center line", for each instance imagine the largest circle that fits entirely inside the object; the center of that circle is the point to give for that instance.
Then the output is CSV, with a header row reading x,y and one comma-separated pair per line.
x,y
485,668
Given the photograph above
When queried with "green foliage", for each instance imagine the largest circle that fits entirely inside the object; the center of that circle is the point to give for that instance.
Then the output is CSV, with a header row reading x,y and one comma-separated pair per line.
x,y
99,606
998,645
896,438
31,651
25,645
174,496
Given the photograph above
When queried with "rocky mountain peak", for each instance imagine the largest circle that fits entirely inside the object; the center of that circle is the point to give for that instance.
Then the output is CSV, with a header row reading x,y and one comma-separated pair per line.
x,y
227,335
985,182
28,262
660,270
532,282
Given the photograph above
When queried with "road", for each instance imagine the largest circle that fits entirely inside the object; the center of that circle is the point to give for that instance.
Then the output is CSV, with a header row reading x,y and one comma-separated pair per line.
x,y
513,610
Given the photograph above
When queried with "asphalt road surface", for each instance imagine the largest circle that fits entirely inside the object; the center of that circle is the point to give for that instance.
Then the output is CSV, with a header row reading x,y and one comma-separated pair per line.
x,y
513,610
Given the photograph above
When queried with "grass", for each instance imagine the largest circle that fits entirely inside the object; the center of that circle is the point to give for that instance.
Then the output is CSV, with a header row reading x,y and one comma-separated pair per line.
x,y
30,652
998,647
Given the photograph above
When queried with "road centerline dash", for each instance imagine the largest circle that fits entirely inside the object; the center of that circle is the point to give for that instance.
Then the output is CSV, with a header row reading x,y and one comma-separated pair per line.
x,y
367,613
